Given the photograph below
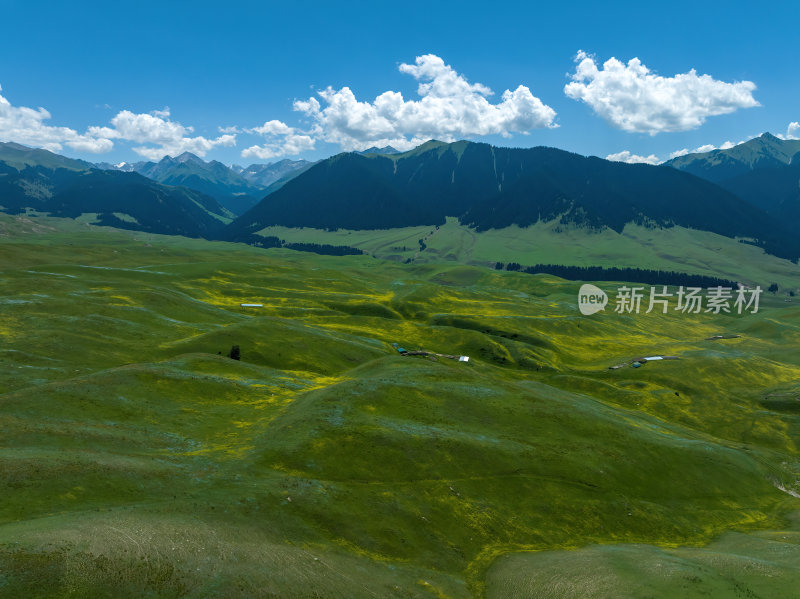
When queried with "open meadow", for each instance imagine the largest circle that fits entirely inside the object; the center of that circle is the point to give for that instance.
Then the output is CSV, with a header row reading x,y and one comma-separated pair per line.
x,y
138,460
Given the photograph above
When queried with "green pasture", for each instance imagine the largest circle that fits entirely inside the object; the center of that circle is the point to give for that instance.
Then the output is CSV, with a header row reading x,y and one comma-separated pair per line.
x,y
138,460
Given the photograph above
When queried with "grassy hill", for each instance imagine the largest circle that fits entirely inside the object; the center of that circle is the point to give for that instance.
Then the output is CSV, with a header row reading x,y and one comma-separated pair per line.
x,y
138,460
675,248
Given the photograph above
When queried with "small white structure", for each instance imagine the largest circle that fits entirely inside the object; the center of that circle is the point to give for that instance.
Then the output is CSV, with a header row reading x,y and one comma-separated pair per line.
x,y
252,305
463,359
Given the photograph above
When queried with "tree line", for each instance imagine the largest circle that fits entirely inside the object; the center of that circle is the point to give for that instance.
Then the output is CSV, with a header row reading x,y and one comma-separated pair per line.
x,y
270,241
632,275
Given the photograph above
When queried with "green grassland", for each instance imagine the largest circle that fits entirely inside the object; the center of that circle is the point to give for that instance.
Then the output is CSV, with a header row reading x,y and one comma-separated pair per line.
x,y
675,248
137,460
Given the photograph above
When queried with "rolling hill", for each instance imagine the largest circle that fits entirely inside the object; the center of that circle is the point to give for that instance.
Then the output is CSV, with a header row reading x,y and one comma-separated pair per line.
x,y
138,460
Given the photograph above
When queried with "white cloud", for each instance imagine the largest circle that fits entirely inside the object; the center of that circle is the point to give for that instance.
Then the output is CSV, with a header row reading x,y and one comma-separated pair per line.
x,y
681,152
26,126
450,108
792,131
273,128
282,140
162,135
632,98
166,137
626,156
707,148
704,148
291,145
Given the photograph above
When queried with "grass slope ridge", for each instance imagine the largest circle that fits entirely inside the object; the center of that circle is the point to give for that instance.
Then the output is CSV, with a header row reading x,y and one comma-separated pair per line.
x,y
138,460
675,248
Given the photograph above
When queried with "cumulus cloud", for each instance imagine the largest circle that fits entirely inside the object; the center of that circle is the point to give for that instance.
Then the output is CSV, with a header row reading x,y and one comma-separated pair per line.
x,y
626,156
158,134
792,131
629,157
164,136
706,148
281,140
449,108
632,98
26,126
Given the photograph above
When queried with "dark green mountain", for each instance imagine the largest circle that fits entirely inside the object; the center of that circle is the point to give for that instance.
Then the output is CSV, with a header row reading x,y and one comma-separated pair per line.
x,y
345,191
764,172
491,188
212,178
766,151
383,150
774,190
119,199
19,156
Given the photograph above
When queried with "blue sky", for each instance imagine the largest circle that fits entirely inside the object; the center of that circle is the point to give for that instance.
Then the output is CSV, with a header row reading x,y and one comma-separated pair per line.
x,y
127,81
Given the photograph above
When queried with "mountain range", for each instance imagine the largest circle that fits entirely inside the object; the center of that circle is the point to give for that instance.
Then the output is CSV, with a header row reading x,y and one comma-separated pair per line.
x,y
237,188
748,192
264,175
487,187
45,182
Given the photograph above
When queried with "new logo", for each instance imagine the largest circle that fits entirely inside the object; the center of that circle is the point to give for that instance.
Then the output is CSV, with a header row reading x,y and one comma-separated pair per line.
x,y
591,299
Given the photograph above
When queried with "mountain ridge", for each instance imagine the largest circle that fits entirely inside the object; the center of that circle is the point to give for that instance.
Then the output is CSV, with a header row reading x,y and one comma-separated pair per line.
x,y
491,187
48,183
764,151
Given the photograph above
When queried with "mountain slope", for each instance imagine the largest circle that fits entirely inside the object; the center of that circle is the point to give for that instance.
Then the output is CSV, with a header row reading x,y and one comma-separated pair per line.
x,y
19,156
344,191
765,151
774,190
489,187
118,199
764,172
212,178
